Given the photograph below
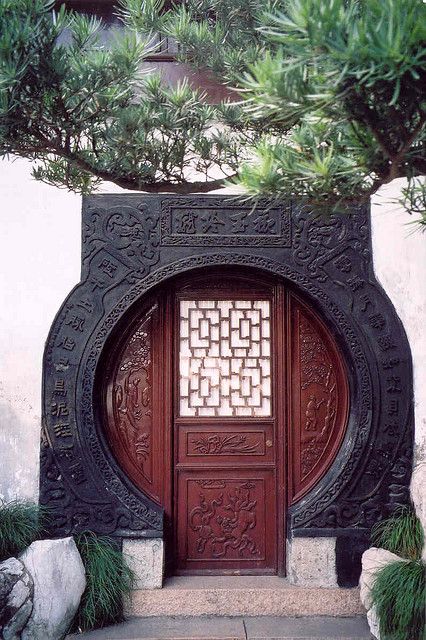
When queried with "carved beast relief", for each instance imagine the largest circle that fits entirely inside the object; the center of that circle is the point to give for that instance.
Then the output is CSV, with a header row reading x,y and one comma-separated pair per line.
x,y
224,523
225,520
319,400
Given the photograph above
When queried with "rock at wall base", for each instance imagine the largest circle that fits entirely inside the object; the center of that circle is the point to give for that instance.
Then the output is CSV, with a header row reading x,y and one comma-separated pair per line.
x,y
373,623
16,593
373,560
418,496
59,582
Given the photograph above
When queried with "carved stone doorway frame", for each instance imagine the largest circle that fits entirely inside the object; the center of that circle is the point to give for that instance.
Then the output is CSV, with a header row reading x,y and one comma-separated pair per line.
x,y
132,243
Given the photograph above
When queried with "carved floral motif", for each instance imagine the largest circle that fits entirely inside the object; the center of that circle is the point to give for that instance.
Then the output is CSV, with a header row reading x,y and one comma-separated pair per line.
x,y
222,445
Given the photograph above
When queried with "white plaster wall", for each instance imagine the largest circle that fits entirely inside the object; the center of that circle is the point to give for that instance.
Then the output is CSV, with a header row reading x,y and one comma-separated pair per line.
x,y
399,254
40,262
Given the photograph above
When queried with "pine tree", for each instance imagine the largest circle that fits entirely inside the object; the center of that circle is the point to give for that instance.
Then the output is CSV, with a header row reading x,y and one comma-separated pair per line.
x,y
330,97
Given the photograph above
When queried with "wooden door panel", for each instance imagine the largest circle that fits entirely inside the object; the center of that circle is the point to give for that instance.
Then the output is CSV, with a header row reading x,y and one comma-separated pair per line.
x,y
225,430
226,520
237,444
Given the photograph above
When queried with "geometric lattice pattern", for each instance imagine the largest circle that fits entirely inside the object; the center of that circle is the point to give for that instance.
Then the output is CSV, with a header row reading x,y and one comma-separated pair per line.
x,y
225,358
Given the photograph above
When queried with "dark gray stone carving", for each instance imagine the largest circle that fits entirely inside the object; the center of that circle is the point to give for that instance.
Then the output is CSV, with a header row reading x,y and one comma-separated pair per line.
x,y
131,243
224,223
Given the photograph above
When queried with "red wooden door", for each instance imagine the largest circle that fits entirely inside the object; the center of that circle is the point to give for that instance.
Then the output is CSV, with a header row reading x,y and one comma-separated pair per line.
x,y
225,400
225,427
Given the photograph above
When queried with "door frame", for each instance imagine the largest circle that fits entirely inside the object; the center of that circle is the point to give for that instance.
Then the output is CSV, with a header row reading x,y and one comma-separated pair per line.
x,y
279,316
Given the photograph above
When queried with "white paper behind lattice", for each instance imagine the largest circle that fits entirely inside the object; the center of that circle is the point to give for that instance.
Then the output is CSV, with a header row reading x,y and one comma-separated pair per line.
x,y
225,358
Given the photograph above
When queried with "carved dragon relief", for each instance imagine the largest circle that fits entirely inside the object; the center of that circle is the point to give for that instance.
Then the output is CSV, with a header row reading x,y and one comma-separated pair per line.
x,y
318,397
132,397
223,523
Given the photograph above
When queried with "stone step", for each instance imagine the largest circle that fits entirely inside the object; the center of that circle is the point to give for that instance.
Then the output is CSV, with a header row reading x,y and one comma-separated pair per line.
x,y
242,596
260,628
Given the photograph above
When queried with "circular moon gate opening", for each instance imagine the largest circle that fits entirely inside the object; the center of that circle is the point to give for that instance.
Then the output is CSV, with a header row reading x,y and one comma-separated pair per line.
x,y
225,401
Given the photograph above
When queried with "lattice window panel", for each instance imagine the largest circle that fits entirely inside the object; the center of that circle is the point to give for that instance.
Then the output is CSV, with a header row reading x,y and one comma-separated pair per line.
x,y
225,358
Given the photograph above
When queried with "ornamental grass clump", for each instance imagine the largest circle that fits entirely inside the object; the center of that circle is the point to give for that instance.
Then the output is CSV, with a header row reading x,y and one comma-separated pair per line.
x,y
20,524
109,582
399,596
401,534
399,589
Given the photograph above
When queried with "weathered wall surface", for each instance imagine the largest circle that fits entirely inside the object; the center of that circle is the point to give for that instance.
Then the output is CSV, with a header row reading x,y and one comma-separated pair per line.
x,y
399,253
39,264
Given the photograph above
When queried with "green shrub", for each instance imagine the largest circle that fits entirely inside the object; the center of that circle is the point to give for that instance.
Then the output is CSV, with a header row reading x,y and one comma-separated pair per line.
x,y
399,595
109,582
20,524
402,534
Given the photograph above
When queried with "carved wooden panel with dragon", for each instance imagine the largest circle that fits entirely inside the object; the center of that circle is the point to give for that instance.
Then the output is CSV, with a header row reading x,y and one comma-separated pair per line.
x,y
319,399
134,425
227,400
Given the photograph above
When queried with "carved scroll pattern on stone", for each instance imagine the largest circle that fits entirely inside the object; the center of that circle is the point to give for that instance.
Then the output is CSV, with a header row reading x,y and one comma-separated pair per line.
x,y
133,235
318,396
225,358
224,522
132,397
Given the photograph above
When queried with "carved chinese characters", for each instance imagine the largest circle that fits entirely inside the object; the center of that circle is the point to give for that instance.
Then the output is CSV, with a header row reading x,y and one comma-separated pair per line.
x,y
224,223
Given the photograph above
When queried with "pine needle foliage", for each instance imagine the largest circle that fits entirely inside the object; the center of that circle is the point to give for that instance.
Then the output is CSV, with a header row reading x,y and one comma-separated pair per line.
x,y
85,113
332,101
109,582
399,595
20,524
402,534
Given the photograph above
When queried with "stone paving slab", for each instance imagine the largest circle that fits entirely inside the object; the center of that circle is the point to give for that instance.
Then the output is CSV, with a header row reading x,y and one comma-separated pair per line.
x,y
213,628
320,628
170,629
